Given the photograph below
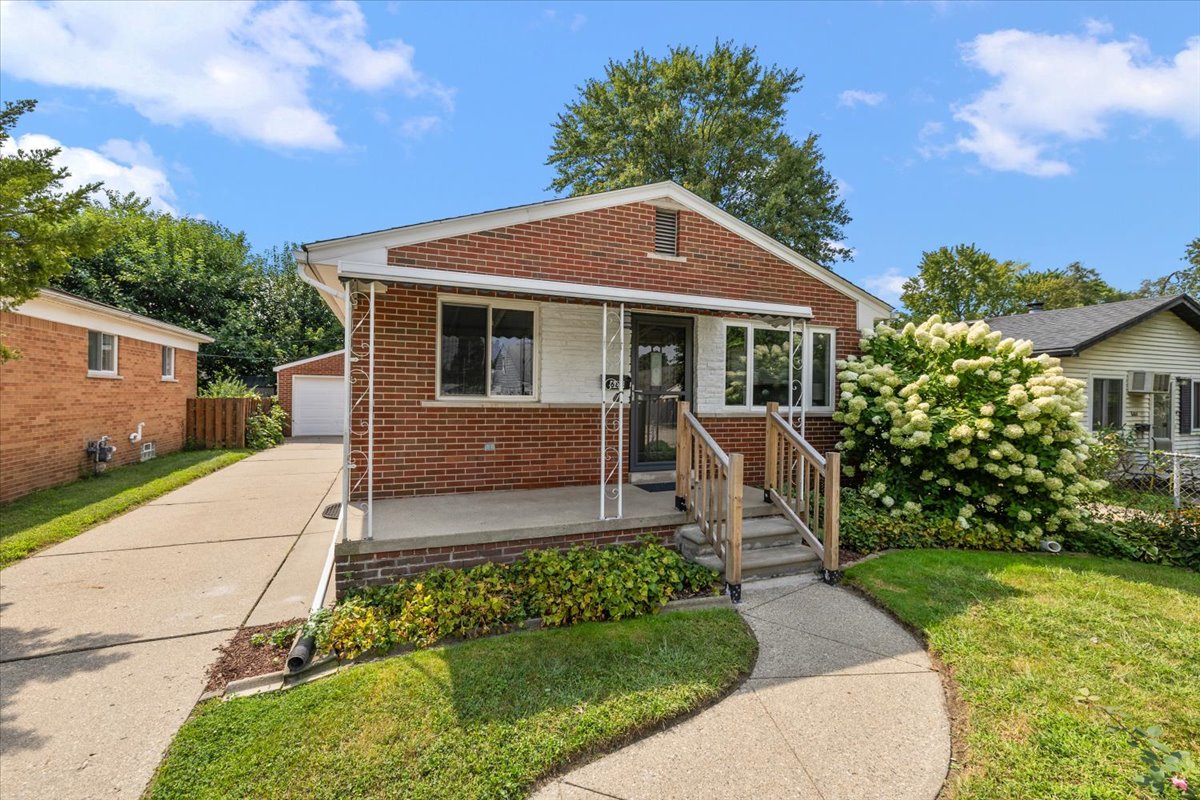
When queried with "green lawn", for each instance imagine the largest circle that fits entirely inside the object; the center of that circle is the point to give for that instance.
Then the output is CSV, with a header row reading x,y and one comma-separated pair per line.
x,y
485,719
54,515
1023,634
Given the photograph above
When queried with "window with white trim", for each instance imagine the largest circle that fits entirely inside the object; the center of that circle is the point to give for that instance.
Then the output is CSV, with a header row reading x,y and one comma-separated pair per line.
x,y
1108,403
486,350
756,367
168,363
102,353
1195,405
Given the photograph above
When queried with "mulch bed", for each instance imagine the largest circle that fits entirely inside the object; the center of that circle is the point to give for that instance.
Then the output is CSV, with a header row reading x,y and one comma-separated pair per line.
x,y
847,557
241,659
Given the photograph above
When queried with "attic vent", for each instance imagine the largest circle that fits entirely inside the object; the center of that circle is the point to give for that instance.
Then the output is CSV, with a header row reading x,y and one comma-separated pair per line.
x,y
666,232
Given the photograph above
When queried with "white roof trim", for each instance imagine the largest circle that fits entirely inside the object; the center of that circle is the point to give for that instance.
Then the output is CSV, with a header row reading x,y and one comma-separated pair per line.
x,y
583,291
67,309
291,364
333,250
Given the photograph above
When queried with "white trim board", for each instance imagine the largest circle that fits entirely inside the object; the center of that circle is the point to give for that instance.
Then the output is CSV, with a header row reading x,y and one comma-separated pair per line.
x,y
308,360
373,247
67,310
582,291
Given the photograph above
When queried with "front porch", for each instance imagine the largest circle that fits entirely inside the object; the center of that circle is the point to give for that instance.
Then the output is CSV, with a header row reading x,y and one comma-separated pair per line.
x,y
414,534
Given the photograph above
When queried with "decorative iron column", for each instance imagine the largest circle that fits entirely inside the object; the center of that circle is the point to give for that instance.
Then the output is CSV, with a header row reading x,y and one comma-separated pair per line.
x,y
613,397
360,465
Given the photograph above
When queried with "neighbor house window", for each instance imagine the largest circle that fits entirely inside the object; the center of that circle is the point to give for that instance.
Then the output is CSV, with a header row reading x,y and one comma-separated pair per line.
x,y
168,363
486,350
1108,403
756,367
1195,399
102,353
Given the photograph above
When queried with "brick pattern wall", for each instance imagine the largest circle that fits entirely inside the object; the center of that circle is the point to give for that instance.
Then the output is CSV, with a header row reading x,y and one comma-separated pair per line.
x,y
50,409
423,449
370,569
329,365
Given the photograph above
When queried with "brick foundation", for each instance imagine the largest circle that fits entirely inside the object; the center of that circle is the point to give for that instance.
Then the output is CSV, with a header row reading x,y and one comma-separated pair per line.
x,y
371,569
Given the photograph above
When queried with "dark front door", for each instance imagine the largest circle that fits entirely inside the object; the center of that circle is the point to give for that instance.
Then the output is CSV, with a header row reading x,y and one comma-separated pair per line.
x,y
662,376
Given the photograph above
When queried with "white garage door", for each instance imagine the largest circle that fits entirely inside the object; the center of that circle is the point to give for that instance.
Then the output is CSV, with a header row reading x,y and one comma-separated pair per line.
x,y
317,405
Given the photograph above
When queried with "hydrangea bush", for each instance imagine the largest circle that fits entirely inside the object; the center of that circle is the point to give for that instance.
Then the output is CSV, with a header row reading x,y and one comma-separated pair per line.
x,y
953,423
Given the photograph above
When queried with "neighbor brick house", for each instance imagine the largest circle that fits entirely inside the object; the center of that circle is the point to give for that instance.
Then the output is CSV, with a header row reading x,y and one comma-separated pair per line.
x,y
88,370
311,393
522,349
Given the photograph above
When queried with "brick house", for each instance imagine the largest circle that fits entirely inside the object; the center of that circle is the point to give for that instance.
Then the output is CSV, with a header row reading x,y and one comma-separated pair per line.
x,y
310,391
541,352
88,370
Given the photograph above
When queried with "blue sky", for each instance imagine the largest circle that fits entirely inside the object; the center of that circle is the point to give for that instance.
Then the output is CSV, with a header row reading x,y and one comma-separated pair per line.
x,y
1042,132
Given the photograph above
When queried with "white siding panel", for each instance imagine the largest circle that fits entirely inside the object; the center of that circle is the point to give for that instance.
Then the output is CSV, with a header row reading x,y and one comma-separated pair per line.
x,y
570,369
1163,343
710,365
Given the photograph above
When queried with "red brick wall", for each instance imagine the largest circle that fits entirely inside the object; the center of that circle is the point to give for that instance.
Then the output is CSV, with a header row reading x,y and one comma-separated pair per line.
x,y
329,365
369,569
433,450
50,409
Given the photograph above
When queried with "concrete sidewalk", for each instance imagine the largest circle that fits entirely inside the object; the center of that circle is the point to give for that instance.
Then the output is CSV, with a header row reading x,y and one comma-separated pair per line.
x,y
842,703
105,639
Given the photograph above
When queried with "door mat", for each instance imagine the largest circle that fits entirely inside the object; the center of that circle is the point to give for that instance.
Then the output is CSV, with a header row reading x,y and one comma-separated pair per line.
x,y
331,511
656,487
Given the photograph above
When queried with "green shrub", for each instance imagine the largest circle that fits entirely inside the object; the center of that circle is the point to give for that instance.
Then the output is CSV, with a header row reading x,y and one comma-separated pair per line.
x,y
265,429
1171,537
867,528
952,424
227,386
581,584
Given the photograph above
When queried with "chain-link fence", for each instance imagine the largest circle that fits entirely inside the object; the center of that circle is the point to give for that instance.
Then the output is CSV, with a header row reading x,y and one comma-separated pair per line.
x,y
1156,472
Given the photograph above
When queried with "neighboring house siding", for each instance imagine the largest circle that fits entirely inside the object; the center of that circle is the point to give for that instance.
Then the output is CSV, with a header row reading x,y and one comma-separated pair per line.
x,y
1163,343
50,409
332,364
424,446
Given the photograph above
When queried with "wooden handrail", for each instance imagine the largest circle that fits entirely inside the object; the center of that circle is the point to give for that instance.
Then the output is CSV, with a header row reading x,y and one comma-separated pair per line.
x,y
708,488
806,488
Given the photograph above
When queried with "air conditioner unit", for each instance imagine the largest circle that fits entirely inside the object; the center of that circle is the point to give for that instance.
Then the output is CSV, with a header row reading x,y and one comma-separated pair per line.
x,y
1149,383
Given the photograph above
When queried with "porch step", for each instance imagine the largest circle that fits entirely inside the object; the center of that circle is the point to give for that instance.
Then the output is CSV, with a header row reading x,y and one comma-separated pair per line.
x,y
757,533
769,562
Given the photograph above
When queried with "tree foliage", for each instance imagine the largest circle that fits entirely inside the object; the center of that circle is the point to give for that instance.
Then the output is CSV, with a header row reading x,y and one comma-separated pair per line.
x,y
960,283
712,123
1181,280
201,275
1073,286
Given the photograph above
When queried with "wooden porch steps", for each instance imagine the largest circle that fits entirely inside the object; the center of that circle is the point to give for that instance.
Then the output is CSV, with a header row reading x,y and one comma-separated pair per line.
x,y
770,547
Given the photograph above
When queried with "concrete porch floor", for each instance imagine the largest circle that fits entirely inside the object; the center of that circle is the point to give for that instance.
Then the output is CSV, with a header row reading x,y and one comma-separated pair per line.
x,y
485,517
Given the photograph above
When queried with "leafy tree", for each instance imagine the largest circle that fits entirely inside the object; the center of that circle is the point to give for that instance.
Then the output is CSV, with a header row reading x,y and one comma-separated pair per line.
x,y
1182,280
290,319
712,123
962,283
41,224
1074,285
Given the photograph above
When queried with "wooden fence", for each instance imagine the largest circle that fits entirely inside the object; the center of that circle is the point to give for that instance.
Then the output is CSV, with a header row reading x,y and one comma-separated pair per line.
x,y
220,421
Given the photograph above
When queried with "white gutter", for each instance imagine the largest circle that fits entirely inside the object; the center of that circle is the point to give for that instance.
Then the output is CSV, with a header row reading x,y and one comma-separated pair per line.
x,y
586,291
302,271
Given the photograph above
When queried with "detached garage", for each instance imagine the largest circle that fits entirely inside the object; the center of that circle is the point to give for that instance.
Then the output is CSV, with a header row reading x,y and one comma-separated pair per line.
x,y
311,392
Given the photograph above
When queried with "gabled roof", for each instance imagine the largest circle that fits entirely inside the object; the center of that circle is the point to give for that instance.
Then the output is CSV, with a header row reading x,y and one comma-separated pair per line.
x,y
308,360
330,251
57,296
1069,331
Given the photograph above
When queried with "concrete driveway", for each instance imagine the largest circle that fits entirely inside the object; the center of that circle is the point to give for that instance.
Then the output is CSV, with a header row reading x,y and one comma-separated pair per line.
x,y
104,639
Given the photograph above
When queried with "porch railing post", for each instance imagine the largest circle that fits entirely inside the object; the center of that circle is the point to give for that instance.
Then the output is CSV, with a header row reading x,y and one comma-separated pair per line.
x,y
683,455
772,472
833,514
733,544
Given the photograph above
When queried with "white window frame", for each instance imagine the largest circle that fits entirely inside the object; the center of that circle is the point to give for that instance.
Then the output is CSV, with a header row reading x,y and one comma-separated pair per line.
x,y
1091,398
1195,401
805,370
168,376
490,303
104,373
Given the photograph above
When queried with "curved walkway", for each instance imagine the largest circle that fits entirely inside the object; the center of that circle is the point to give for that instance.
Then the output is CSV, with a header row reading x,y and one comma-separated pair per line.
x,y
843,703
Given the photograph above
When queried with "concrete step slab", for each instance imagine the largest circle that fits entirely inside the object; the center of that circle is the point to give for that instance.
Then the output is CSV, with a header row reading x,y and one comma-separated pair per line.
x,y
770,561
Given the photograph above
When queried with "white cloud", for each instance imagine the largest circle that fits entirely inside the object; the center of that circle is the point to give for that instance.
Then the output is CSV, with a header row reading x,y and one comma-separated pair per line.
x,y
242,68
416,127
122,165
858,97
1097,27
887,285
1056,89
552,18
843,187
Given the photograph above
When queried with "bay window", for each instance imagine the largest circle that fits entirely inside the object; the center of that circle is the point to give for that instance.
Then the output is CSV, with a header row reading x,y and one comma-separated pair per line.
x,y
486,350
756,367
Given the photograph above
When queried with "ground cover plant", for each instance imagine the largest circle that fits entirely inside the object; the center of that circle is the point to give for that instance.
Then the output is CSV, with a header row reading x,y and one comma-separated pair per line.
x,y
1023,634
53,515
956,424
484,719
559,587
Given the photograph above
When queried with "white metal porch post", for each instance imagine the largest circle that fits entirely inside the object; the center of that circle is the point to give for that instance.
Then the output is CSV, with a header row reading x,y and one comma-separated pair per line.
x,y
610,396
347,343
371,419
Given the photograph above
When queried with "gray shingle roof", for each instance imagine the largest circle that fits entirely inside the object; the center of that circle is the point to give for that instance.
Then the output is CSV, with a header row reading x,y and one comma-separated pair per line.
x,y
1067,331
